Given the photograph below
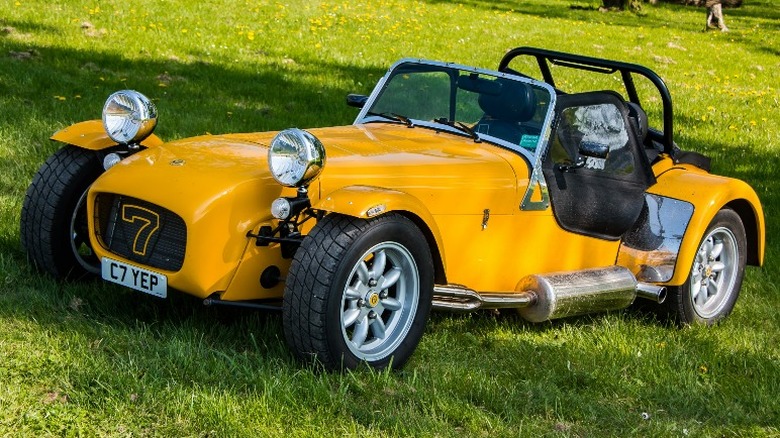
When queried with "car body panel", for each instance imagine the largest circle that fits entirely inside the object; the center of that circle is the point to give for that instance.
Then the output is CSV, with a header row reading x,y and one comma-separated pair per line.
x,y
217,199
91,135
513,246
708,193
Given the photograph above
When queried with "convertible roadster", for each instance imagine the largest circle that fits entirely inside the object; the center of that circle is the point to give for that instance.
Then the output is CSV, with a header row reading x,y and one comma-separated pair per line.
x,y
455,188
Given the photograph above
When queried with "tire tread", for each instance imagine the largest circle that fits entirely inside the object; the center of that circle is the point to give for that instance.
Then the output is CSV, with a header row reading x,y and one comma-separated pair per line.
x,y
45,216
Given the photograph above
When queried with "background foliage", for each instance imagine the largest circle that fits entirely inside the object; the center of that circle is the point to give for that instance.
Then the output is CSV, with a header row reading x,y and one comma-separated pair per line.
x,y
92,359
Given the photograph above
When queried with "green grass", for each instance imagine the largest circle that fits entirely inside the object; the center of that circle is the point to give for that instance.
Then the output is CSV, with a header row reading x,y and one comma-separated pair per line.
x,y
91,359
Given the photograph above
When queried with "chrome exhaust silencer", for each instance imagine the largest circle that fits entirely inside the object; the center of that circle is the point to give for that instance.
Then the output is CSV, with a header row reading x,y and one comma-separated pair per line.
x,y
556,295
579,292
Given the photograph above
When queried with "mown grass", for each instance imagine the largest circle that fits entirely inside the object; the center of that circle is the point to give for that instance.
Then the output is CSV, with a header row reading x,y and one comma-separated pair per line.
x,y
91,359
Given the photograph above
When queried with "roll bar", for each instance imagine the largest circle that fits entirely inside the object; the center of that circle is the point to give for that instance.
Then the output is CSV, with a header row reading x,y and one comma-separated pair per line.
x,y
605,66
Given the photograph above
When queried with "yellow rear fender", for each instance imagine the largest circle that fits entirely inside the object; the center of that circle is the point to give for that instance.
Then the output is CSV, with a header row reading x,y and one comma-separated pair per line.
x,y
92,136
709,194
366,202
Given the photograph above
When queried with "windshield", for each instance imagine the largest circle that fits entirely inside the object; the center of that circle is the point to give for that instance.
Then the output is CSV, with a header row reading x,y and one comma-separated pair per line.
x,y
483,105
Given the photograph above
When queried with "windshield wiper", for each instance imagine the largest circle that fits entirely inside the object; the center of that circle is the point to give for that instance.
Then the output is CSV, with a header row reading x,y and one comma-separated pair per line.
x,y
461,127
394,117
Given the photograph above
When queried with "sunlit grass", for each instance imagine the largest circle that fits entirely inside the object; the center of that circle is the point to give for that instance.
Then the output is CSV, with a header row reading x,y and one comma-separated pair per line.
x,y
92,359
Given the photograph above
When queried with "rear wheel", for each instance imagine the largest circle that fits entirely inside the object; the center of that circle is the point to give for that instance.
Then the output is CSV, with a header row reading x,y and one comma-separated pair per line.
x,y
713,284
53,228
359,291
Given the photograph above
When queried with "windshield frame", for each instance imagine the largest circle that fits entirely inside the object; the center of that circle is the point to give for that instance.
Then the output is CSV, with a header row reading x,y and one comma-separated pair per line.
x,y
364,116
534,159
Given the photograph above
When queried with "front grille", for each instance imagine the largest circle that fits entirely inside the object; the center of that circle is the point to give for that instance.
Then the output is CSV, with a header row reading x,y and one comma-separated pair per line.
x,y
140,231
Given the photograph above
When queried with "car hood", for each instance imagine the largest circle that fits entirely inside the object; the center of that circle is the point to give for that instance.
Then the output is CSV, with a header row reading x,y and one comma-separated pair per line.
x,y
462,176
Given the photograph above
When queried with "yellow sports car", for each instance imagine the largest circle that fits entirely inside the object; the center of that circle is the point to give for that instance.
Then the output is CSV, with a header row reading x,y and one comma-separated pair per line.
x,y
455,188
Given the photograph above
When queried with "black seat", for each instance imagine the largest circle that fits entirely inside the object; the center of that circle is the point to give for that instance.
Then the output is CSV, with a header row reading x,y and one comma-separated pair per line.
x,y
505,111
638,120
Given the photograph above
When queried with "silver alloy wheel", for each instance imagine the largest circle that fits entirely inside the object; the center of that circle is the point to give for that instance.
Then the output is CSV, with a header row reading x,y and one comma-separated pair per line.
x,y
79,237
714,273
380,301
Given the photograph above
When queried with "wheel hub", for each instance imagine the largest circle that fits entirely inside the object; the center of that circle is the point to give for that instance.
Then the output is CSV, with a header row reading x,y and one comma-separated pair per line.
x,y
373,299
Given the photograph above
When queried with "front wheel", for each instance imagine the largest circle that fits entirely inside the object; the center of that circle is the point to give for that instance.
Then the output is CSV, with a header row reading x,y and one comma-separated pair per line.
x,y
359,291
713,284
53,224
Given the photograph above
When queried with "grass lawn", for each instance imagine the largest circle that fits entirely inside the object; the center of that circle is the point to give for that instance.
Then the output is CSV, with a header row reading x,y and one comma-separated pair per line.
x,y
91,359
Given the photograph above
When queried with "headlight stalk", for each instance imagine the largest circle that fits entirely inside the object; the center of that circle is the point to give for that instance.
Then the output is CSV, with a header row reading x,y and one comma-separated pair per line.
x,y
292,212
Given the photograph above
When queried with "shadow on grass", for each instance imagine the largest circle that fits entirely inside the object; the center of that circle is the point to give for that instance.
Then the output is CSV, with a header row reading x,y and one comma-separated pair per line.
x,y
192,97
763,10
26,26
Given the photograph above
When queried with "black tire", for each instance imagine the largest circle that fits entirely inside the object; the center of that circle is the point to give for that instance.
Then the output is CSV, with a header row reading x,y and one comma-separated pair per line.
x,y
54,215
324,316
715,278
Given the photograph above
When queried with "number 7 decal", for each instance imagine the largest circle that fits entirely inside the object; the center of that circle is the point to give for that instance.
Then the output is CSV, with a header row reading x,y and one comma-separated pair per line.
x,y
151,223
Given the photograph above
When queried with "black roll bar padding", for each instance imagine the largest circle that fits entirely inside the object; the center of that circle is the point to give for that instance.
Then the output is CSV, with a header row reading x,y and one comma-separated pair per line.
x,y
546,57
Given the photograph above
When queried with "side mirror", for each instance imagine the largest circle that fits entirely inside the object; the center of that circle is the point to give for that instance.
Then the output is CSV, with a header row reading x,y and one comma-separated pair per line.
x,y
356,100
593,149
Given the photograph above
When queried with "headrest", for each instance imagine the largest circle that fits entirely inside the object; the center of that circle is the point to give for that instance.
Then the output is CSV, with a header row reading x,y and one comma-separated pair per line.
x,y
637,114
515,103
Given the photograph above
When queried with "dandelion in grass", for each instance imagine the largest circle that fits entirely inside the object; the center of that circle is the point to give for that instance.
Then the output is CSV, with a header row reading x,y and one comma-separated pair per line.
x,y
60,98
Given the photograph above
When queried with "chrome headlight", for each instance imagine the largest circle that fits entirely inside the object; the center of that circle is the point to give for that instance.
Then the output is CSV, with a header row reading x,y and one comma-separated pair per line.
x,y
295,157
129,116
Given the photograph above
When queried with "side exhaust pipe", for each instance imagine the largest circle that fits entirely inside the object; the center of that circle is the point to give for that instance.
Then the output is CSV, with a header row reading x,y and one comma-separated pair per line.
x,y
557,295
457,298
651,292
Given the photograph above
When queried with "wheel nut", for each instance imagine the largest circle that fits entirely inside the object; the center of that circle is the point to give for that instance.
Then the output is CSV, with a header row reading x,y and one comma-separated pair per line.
x,y
371,283
383,294
372,315
361,302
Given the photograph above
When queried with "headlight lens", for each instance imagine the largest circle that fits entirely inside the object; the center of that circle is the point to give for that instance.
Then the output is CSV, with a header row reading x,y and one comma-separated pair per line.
x,y
281,208
129,116
110,160
295,157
